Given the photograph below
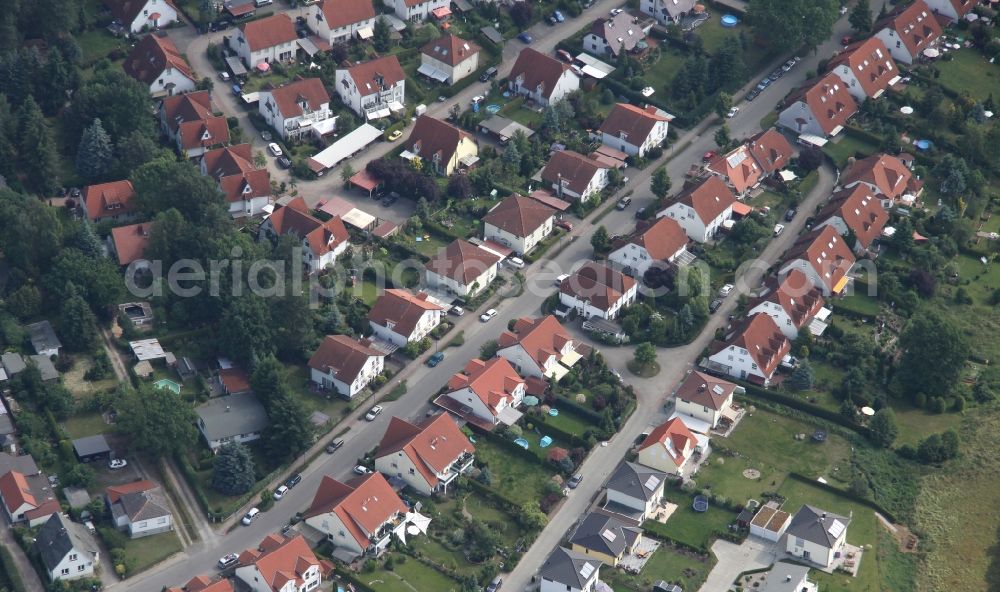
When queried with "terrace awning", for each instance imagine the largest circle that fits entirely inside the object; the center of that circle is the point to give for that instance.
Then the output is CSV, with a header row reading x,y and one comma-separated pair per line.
x,y
379,113
441,13
308,46
841,284
557,372
571,358
432,72
366,33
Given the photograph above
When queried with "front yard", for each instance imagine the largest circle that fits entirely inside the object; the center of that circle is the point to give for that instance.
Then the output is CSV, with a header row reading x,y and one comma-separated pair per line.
x,y
146,552
667,563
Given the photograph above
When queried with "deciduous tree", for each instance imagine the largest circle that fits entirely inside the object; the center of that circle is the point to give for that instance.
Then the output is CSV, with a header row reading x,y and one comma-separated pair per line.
x,y
934,354
883,429
157,421
77,324
861,18
661,183
790,24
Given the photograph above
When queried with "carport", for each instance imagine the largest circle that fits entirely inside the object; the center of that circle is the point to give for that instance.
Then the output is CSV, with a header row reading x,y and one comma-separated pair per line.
x,y
91,448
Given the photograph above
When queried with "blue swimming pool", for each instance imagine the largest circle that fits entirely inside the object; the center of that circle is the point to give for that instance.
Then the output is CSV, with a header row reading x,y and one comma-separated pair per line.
x,y
729,20
522,443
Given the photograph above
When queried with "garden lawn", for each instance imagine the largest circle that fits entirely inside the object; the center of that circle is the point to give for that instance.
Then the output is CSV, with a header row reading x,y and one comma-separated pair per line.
x,y
82,425
409,576
568,422
147,551
334,406
505,524
860,303
845,147
668,564
967,71
98,44
693,528
438,553
978,280
514,476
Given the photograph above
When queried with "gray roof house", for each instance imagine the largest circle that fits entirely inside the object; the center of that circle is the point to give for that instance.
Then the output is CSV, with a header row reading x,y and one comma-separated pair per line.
x,y
22,463
816,535
607,537
45,367
635,491
568,571
66,550
231,418
91,448
139,508
13,363
43,338
788,577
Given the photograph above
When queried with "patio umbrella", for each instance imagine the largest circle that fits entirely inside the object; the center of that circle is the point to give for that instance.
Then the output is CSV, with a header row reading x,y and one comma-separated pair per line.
x,y
931,52
263,66
868,411
907,110
531,400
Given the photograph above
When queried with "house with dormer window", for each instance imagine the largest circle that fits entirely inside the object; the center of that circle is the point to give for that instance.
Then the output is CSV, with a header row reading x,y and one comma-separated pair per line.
x,y
819,107
373,89
701,209
539,347
824,257
667,12
137,16
279,564
635,130
751,351
792,301
339,22
270,39
449,59
491,391
157,63
440,145
908,30
321,242
345,365
112,201
541,78
189,122
400,317
245,188
298,108
427,455
358,517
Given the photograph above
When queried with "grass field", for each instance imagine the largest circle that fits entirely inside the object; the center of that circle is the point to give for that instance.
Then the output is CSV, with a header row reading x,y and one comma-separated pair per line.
x,y
667,564
967,71
86,424
859,303
148,551
97,44
844,147
695,528
513,476
568,422
983,279
409,576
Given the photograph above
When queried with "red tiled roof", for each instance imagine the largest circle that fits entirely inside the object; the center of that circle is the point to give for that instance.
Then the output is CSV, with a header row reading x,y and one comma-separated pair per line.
x,y
231,160
235,380
432,137
519,215
289,97
826,252
673,436
492,381
635,122
541,338
763,340
598,284
871,63
152,56
963,7
108,199
15,491
738,167
128,10
294,217
284,560
886,173
48,508
363,504
203,133
795,294
573,169
204,584
344,14
829,101
115,492
432,445
662,239
343,356
771,150
402,309
709,199
368,75
450,49
914,25
538,69
191,106
462,261
705,390
131,242
238,178
269,31
860,210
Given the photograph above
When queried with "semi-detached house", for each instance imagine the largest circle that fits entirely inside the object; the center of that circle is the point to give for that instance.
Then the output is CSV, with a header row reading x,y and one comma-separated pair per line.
x,y
539,347
819,107
139,15
335,21
657,243
427,455
867,68
824,257
298,108
702,208
358,517
884,175
542,78
345,365
441,146
856,210
952,9
771,150
738,169
320,242
462,268
635,130
596,290
245,188
491,391
792,301
417,10
519,222
157,63
908,31
113,201
270,39
373,89
189,122
279,564
400,317
575,176
751,351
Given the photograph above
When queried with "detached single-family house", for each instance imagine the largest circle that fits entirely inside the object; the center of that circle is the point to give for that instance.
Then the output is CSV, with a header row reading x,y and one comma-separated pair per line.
x,y
701,209
449,59
816,535
400,317
569,571
189,122
491,390
867,68
616,34
298,108
752,350
246,188
203,584
43,339
419,10
358,517
279,564
539,347
605,537
705,398
792,302
658,243
908,31
373,89
156,62
819,107
575,176
345,365
596,290
440,145
738,169
884,175
338,22
771,150
953,9
114,201
542,78
266,40
321,242
66,549
519,222
26,498
856,210
137,16
462,268
667,12
635,130
232,418
824,257
669,447
139,508
788,577
427,455
128,244
635,491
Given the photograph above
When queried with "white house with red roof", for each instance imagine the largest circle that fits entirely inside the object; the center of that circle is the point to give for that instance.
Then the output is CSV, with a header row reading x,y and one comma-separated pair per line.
x,y
952,9
338,22
519,222
793,302
321,242
427,455
752,350
346,365
113,201
142,15
701,209
245,188
298,108
538,347
373,89
203,584
491,390
635,130
867,68
771,150
358,517
824,257
441,146
659,242
669,447
418,10
884,175
705,398
189,122
739,169
857,210
542,78
575,176
463,268
908,31
819,107
667,12
279,564
400,317
266,40
157,63
449,59
596,290
24,501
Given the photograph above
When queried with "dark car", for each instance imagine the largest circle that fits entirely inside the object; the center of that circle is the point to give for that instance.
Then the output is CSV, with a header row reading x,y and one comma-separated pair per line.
x,y
752,94
551,20
495,584
435,359
574,481
790,214
333,446
219,25
284,162
641,213
490,73
714,306
389,200
293,480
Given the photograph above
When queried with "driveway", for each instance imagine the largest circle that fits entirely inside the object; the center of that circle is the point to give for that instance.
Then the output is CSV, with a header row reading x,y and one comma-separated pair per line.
x,y
753,553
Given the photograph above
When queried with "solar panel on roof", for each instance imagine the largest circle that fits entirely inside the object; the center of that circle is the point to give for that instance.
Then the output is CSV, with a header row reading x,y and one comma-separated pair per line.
x,y
587,570
609,536
717,389
652,482
836,528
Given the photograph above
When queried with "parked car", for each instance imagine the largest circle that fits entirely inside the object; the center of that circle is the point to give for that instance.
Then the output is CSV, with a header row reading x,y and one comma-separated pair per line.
x,y
457,311
435,359
764,84
489,314
495,584
714,305
561,278
732,112
526,38
753,94
373,413
265,135
389,200
280,492
551,20
394,135
778,228
362,470
574,481
248,518
293,480
788,65
284,162
490,73
227,560
640,213
274,149
708,156
224,76
559,16
333,446
846,40
616,11
117,463
725,290
516,262
624,203
790,214
564,56
564,224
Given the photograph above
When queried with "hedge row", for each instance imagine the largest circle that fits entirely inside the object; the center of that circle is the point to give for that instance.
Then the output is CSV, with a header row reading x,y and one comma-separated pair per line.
x,y
842,493
574,439
658,530
490,492
353,579
585,413
864,136
804,406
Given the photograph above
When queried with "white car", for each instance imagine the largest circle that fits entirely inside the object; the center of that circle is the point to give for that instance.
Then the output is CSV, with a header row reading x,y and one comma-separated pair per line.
x,y
362,470
647,91
478,99
274,149
457,311
373,413
117,463
616,11
725,290
732,112
224,76
248,518
778,228
486,316
280,492
227,560
516,262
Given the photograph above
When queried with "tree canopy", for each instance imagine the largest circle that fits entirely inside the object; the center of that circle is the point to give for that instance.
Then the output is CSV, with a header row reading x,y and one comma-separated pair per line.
x,y
156,420
234,472
934,354
800,22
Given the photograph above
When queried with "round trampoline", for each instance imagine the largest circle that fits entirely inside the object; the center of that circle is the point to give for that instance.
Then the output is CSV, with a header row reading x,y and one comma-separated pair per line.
x,y
729,20
700,504
522,443
493,108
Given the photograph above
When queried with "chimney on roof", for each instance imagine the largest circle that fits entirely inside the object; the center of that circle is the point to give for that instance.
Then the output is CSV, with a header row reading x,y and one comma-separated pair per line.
x,y
788,578
227,408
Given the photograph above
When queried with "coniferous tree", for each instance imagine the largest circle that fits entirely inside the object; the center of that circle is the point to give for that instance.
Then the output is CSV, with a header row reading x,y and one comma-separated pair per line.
x,y
95,155
37,149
